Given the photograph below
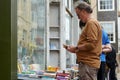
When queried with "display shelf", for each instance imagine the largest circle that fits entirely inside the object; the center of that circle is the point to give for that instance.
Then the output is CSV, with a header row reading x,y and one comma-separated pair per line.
x,y
54,32
54,44
54,49
54,58
54,37
54,26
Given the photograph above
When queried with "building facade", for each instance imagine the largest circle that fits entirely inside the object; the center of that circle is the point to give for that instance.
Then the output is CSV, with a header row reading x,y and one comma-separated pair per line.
x,y
107,15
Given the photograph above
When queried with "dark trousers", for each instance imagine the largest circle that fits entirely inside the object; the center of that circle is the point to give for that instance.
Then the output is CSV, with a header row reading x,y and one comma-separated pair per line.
x,y
101,71
112,74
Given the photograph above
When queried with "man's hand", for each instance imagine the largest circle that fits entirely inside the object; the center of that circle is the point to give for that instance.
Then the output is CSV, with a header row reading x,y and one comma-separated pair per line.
x,y
70,48
65,46
106,48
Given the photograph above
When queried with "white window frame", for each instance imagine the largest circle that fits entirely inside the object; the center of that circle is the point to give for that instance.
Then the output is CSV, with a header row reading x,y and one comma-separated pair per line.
x,y
114,34
68,4
67,28
118,5
113,6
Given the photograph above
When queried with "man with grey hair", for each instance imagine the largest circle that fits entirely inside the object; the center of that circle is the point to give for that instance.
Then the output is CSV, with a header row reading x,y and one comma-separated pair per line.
x,y
89,45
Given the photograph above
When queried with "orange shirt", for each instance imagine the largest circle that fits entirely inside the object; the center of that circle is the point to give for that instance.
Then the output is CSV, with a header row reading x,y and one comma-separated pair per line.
x,y
91,36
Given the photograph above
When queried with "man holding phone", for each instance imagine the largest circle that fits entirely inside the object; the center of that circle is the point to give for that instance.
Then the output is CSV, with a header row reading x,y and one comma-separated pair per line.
x,y
89,45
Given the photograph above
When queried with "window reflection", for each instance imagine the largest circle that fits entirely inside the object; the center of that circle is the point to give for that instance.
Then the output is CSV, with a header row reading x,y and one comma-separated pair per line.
x,y
31,29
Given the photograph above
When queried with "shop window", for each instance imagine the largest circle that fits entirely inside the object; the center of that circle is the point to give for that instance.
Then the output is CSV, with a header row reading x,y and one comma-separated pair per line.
x,y
31,35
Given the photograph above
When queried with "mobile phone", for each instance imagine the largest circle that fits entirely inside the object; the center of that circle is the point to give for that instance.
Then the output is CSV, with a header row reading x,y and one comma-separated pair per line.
x,y
65,46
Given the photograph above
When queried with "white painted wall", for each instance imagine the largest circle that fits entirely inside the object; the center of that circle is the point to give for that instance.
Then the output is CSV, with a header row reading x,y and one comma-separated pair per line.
x,y
118,27
119,5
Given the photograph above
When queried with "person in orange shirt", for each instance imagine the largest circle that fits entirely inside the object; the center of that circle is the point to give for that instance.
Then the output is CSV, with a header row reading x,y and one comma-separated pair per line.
x,y
89,45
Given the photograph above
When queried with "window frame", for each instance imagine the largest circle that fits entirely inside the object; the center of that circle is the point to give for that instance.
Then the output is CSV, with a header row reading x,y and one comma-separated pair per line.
x,y
114,34
113,6
118,5
68,4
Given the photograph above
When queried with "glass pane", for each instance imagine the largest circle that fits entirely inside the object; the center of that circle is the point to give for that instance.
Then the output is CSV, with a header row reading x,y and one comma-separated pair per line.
x,y
68,37
31,35
109,29
106,4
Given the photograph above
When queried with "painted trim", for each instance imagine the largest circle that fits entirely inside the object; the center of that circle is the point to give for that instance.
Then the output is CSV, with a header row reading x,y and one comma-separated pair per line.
x,y
13,40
